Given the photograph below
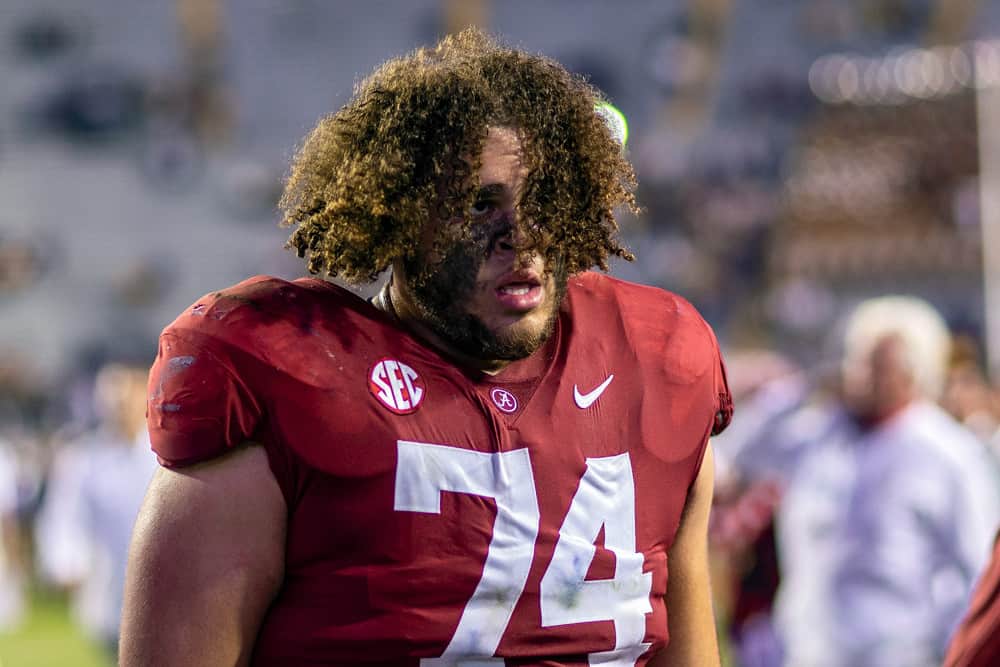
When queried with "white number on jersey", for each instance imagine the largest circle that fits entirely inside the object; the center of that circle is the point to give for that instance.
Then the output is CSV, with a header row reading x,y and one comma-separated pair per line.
x,y
605,497
423,472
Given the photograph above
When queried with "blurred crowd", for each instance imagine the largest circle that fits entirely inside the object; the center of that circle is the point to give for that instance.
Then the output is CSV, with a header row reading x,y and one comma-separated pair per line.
x,y
797,162
69,500
857,500
95,483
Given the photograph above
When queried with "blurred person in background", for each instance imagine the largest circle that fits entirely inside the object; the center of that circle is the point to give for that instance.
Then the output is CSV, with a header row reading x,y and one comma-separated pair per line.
x,y
12,575
741,531
969,397
890,505
469,468
95,487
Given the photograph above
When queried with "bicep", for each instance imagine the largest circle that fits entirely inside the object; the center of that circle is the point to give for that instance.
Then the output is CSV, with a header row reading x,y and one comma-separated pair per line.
x,y
689,599
206,559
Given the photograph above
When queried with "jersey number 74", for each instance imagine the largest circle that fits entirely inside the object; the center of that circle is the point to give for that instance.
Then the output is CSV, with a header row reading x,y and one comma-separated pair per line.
x,y
605,497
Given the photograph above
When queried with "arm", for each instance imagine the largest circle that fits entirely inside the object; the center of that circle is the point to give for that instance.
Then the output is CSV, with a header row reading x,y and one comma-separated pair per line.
x,y
689,599
206,560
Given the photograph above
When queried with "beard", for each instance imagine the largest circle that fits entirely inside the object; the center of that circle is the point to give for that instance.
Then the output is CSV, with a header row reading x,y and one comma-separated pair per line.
x,y
443,290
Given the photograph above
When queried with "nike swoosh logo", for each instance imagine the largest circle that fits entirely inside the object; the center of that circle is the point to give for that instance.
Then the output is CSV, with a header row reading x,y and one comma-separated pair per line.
x,y
584,401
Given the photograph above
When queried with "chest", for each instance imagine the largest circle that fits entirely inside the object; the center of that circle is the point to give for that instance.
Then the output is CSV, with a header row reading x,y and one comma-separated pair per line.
x,y
392,424
437,516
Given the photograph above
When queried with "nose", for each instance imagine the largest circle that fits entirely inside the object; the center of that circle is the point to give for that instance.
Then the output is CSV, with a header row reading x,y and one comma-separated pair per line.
x,y
515,238
509,241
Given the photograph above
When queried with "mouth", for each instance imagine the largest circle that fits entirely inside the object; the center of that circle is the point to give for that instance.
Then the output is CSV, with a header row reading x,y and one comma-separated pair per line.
x,y
520,291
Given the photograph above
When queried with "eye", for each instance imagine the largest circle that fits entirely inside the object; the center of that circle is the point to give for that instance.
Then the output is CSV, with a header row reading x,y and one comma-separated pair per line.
x,y
482,207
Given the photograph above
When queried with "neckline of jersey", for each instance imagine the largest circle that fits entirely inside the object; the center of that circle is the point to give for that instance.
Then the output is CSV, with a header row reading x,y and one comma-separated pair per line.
x,y
523,372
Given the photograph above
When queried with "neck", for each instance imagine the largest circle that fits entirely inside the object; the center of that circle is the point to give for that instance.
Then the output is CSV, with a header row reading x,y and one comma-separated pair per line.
x,y
392,301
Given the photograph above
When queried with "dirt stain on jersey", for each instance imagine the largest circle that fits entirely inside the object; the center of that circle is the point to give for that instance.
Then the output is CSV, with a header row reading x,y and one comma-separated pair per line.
x,y
268,307
570,597
173,366
177,364
227,303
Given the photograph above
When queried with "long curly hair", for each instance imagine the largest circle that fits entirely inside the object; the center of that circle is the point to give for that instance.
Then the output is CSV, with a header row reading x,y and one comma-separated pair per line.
x,y
405,150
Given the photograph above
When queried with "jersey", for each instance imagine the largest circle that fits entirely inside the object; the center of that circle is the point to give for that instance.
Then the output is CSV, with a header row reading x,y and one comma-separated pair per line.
x,y
438,516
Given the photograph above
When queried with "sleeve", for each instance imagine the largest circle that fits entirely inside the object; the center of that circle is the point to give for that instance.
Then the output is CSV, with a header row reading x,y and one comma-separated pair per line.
x,y
198,406
724,398
722,401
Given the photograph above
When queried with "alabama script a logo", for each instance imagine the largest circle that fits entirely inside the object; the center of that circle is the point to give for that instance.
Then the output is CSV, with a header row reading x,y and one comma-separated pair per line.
x,y
504,400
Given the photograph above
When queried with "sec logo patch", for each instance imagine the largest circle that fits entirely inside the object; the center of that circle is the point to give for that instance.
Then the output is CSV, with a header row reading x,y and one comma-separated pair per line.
x,y
396,386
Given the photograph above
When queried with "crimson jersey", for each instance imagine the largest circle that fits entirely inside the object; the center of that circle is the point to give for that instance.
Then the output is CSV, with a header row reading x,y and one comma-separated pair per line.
x,y
442,517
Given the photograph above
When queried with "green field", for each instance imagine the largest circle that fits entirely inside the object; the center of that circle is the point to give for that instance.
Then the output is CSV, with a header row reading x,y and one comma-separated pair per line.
x,y
48,638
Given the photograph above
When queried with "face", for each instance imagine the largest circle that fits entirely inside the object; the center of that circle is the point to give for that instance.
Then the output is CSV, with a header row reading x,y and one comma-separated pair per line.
x,y
490,294
120,394
966,392
878,381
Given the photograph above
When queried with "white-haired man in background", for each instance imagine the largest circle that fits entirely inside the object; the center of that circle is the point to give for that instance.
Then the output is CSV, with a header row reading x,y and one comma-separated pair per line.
x,y
890,505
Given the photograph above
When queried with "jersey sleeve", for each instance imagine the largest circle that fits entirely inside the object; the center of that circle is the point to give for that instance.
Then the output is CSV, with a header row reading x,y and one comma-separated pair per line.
x,y
722,406
198,407
696,376
724,398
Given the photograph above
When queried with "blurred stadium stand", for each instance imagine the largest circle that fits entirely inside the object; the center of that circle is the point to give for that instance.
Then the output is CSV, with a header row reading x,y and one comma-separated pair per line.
x,y
142,147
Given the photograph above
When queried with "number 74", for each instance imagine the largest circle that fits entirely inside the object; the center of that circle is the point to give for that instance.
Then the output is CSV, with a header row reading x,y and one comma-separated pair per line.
x,y
605,497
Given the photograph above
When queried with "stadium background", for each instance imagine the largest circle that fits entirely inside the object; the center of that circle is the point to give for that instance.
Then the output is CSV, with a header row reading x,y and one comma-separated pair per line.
x,y
794,157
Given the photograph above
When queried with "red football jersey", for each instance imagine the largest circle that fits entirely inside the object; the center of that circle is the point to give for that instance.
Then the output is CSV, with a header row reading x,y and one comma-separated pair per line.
x,y
438,516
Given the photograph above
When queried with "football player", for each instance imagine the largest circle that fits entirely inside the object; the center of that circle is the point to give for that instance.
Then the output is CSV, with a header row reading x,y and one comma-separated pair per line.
x,y
501,459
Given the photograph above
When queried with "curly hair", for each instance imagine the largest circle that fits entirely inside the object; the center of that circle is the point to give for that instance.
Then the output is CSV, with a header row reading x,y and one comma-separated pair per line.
x,y
406,148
